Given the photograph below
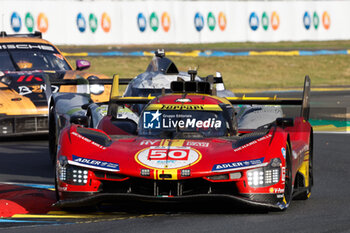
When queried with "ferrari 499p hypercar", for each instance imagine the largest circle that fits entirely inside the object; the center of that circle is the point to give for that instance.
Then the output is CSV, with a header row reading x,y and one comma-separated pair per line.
x,y
26,61
186,147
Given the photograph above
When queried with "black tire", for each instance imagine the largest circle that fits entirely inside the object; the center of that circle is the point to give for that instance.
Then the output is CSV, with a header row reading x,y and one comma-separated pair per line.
x,y
307,193
288,186
56,184
52,135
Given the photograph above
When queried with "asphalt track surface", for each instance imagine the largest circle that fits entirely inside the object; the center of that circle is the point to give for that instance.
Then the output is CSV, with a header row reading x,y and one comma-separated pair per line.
x,y
26,160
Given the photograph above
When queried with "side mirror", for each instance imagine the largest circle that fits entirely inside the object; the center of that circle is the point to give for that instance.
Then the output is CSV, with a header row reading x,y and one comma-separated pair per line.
x,y
285,122
79,120
82,64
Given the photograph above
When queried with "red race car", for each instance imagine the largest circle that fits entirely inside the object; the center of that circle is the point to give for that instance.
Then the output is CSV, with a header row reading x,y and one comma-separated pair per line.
x,y
186,146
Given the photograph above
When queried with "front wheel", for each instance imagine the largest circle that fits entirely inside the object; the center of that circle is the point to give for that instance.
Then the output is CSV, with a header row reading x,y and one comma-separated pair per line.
x,y
288,186
52,135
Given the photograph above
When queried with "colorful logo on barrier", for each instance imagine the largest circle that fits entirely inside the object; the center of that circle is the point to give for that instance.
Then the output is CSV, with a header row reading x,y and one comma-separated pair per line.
x,y
16,22
198,21
275,21
166,21
253,21
222,21
42,23
211,21
265,21
93,22
29,22
316,20
141,22
154,21
326,20
106,22
81,23
307,20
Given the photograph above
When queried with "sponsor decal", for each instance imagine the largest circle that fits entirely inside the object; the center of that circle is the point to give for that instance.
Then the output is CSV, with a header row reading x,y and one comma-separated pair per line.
x,y
156,120
29,78
149,142
27,46
279,195
29,22
93,22
326,20
81,23
198,21
106,22
25,90
16,22
154,21
222,21
265,21
199,144
275,21
283,174
141,22
88,140
253,142
307,20
166,21
253,21
211,21
316,20
238,165
168,157
183,100
276,190
283,150
196,107
42,23
95,163
152,120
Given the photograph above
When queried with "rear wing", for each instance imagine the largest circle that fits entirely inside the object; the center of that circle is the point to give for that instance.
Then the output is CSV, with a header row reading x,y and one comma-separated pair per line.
x,y
36,34
303,102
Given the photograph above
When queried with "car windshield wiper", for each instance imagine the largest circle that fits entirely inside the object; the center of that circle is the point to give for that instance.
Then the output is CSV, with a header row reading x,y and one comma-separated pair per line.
x,y
13,61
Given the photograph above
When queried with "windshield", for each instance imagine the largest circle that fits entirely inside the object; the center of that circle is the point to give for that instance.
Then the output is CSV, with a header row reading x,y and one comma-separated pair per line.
x,y
169,123
17,57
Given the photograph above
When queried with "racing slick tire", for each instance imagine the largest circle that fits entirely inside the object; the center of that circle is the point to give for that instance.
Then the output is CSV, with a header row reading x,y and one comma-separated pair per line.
x,y
288,186
56,184
310,175
52,134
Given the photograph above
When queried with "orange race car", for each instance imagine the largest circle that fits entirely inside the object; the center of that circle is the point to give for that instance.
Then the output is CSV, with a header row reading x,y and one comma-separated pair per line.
x,y
26,62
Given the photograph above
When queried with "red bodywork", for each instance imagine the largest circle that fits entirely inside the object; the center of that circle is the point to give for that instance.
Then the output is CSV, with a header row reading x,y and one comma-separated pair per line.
x,y
220,165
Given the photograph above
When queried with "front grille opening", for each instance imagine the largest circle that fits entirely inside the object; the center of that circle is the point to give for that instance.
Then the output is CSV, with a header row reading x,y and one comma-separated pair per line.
x,y
168,187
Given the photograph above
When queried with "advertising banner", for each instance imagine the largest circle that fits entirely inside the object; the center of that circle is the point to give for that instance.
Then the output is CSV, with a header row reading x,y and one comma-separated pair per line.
x,y
149,22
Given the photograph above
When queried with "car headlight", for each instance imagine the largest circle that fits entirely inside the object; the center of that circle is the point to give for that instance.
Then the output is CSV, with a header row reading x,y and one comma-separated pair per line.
x,y
96,89
71,174
265,176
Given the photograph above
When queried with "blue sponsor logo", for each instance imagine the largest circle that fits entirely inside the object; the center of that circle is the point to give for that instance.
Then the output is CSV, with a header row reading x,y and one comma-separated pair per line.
x,y
16,22
235,165
141,22
96,163
151,119
283,150
253,21
307,20
81,23
198,21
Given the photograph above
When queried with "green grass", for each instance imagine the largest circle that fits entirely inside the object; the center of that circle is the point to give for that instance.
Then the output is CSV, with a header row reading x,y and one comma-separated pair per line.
x,y
228,46
243,72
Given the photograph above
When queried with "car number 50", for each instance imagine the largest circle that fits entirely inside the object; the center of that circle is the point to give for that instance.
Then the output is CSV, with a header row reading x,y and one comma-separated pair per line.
x,y
168,154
